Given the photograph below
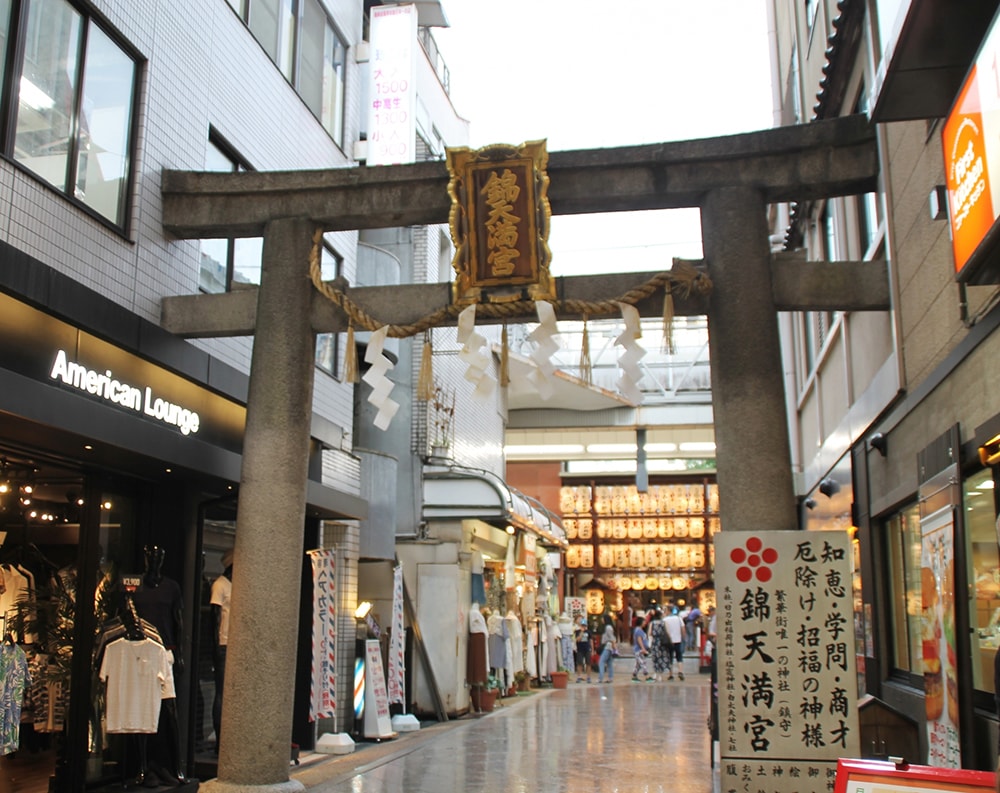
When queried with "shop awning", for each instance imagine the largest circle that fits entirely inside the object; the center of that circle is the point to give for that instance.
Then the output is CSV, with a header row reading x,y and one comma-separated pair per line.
x,y
458,493
928,53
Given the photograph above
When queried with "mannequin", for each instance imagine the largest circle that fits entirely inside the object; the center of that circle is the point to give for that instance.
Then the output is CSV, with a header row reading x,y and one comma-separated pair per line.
x,y
497,631
158,600
222,589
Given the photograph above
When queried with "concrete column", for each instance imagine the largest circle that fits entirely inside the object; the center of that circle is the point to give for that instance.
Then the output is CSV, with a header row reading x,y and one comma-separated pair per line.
x,y
267,564
751,429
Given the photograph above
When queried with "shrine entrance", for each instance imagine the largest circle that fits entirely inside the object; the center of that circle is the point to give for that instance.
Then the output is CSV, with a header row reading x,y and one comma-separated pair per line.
x,y
731,180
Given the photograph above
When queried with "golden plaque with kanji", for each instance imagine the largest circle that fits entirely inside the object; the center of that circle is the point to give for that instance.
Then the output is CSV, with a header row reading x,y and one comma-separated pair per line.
x,y
500,223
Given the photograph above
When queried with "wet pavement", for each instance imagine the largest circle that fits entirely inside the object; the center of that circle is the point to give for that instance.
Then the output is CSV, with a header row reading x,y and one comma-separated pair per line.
x,y
641,737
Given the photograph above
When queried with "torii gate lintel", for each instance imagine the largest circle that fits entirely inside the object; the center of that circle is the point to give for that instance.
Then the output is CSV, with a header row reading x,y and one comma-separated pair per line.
x,y
731,179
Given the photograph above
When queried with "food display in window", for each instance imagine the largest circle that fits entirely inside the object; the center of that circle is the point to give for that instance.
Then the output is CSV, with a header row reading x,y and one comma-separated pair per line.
x,y
933,678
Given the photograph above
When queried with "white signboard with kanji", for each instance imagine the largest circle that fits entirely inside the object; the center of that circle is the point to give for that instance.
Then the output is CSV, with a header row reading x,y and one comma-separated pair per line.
x,y
787,682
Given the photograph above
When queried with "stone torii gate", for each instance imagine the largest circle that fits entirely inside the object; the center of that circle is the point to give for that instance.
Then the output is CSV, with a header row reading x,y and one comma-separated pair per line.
x,y
731,179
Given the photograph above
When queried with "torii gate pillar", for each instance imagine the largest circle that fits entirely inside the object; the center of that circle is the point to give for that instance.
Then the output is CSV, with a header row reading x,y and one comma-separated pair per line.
x,y
748,398
263,631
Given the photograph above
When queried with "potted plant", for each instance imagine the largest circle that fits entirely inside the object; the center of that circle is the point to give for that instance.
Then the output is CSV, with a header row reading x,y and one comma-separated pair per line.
x,y
484,695
522,681
560,678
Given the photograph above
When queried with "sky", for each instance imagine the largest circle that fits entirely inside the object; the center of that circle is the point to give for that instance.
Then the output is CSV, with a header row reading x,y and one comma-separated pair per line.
x,y
593,74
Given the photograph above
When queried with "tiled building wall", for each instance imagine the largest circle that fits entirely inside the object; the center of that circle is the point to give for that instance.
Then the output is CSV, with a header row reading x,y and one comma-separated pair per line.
x,y
479,424
201,70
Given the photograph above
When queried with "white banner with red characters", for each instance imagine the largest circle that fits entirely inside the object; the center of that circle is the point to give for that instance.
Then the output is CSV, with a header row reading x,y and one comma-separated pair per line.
x,y
787,677
397,665
323,691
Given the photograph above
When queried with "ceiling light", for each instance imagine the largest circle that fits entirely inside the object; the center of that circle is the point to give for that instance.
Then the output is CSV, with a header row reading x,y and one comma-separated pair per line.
x,y
698,446
611,448
653,448
986,484
551,449
34,97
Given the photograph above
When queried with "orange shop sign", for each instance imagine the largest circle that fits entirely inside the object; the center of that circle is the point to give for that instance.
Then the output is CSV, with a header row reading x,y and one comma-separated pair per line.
x,y
971,145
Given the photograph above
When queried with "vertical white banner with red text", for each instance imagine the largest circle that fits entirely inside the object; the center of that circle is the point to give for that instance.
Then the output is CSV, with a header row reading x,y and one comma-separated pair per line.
x,y
377,722
323,691
397,643
392,87
787,682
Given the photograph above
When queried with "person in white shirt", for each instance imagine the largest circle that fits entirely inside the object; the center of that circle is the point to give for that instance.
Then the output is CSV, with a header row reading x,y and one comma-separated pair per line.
x,y
675,636
222,589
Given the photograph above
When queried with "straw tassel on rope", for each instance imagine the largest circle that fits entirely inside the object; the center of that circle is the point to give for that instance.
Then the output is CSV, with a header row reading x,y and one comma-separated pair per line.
x,y
504,358
351,358
586,367
425,382
668,318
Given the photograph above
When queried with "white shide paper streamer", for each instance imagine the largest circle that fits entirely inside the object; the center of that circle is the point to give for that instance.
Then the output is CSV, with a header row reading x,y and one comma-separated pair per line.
x,y
474,355
544,337
376,378
632,353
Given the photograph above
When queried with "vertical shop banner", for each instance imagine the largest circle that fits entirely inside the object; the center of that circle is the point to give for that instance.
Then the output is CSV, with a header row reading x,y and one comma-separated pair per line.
x,y
392,87
787,684
397,644
323,691
378,723
529,560
937,595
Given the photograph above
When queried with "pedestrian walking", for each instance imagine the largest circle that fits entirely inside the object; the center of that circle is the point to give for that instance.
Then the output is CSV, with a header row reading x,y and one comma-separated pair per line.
x,y
691,624
659,645
583,650
609,648
640,649
675,635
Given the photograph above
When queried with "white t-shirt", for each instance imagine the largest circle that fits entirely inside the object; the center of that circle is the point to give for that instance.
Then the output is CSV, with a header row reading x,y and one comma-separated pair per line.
x,y
675,628
136,672
222,590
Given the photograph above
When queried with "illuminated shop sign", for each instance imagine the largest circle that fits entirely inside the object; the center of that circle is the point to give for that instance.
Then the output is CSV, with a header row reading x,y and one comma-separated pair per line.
x,y
971,145
106,386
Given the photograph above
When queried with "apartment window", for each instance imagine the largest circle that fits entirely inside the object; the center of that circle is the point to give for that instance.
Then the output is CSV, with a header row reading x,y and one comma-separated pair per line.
x,y
812,8
75,89
794,85
272,23
867,204
227,261
903,538
321,69
303,43
328,344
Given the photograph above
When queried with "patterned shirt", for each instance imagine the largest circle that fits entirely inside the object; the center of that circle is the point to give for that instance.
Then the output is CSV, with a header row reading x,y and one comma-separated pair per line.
x,y
13,681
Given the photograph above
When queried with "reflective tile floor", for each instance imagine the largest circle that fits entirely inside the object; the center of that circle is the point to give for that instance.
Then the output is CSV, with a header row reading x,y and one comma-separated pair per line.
x,y
641,737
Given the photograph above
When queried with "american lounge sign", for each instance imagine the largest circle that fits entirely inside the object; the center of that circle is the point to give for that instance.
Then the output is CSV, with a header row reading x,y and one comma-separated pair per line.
x,y
107,387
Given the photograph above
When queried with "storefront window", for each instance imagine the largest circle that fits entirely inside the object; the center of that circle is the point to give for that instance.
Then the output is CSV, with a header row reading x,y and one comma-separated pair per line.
x,y
903,537
984,575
